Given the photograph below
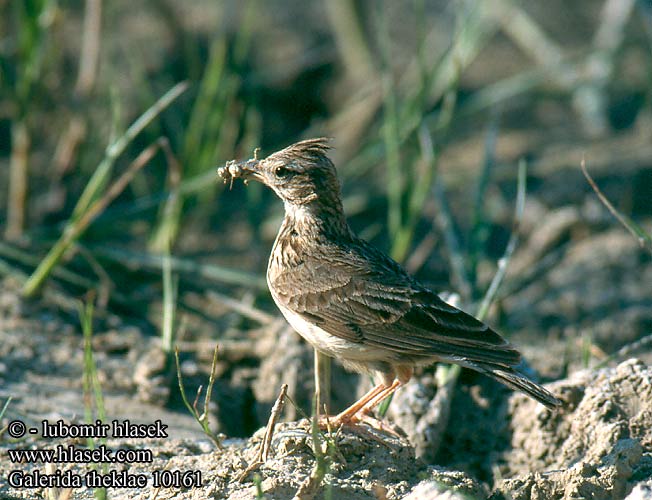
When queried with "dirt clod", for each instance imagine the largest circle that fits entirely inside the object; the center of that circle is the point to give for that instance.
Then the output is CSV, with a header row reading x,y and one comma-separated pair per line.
x,y
596,447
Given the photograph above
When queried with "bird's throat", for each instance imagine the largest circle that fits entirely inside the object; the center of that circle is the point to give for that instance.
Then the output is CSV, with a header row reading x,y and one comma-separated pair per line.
x,y
315,220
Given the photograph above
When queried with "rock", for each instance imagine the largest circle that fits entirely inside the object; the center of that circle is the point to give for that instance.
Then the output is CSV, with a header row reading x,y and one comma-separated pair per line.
x,y
595,447
447,485
642,491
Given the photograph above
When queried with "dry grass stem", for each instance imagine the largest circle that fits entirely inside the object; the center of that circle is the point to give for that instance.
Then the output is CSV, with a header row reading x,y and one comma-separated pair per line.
x,y
242,308
351,40
18,175
644,239
90,49
266,443
87,209
76,228
74,135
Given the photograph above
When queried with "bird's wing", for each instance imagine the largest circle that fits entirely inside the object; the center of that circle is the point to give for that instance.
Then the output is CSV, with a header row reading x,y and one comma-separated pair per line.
x,y
359,294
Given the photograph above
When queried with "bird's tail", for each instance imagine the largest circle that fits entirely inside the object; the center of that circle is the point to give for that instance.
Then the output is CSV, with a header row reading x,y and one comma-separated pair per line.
x,y
519,382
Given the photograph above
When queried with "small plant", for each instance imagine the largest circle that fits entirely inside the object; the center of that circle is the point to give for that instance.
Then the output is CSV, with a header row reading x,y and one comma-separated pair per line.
x,y
324,448
203,417
258,483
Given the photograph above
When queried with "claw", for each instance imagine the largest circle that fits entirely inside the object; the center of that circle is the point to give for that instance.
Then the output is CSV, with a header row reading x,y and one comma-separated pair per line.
x,y
366,426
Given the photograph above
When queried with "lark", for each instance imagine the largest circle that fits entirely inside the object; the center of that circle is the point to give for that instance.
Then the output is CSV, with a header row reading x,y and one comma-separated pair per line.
x,y
353,302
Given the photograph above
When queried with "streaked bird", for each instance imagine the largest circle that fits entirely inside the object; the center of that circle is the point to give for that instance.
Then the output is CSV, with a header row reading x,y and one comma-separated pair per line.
x,y
353,302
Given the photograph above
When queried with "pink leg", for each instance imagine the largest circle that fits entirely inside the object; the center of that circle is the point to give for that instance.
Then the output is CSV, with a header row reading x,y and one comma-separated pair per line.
x,y
357,411
347,415
378,398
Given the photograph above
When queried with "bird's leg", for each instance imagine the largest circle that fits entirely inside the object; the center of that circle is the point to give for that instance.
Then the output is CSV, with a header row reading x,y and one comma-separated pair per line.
x,y
364,414
359,412
322,382
378,398
401,375
347,415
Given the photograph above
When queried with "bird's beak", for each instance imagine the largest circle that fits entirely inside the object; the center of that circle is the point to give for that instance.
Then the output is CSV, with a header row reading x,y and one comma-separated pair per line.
x,y
246,170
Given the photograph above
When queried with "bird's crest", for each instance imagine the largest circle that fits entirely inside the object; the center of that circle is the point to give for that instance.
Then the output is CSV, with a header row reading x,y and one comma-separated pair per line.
x,y
310,150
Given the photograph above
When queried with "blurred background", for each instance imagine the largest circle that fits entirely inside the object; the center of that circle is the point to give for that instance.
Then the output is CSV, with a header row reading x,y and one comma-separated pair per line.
x,y
114,117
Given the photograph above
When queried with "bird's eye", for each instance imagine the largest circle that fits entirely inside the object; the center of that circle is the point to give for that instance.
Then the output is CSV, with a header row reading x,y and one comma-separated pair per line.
x,y
282,172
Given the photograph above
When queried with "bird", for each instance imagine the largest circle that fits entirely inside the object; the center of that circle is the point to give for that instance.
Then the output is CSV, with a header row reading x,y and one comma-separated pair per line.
x,y
352,302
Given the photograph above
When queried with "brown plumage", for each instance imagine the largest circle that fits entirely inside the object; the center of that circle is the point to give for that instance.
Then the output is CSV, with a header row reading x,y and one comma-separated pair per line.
x,y
351,301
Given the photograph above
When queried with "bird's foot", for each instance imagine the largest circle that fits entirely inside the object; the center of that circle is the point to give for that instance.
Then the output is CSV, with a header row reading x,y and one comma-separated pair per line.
x,y
361,423
378,424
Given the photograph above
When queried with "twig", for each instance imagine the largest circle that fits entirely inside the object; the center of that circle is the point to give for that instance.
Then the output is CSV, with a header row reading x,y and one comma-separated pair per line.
x,y
310,485
64,302
211,381
157,491
644,239
526,33
266,443
540,267
53,492
422,251
273,419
